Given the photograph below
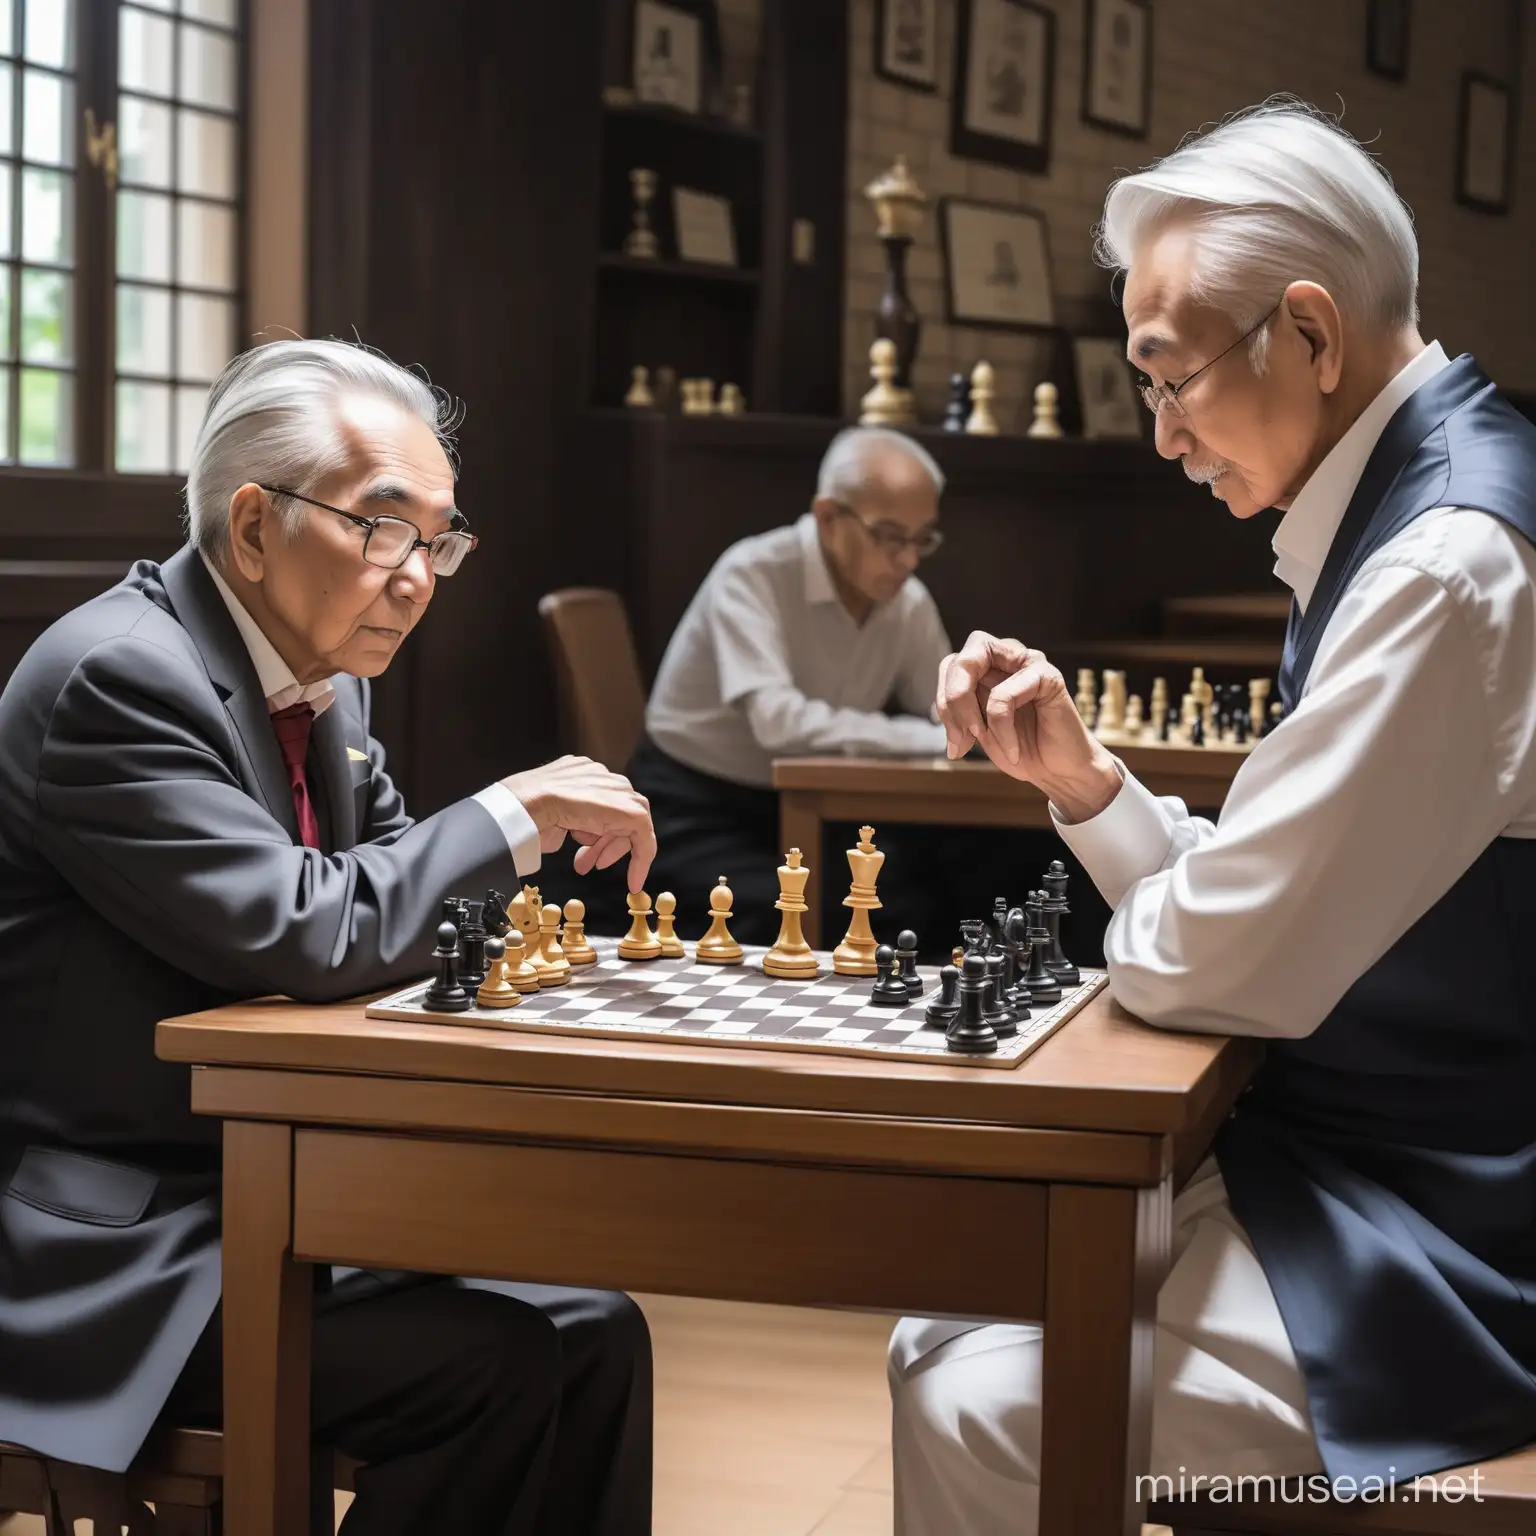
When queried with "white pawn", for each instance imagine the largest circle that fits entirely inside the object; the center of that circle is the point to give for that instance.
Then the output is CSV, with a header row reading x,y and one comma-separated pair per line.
x,y
732,401
1045,423
981,422
640,395
884,405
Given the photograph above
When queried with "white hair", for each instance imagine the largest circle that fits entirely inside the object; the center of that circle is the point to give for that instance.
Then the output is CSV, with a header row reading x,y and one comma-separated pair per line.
x,y
1276,194
271,419
845,466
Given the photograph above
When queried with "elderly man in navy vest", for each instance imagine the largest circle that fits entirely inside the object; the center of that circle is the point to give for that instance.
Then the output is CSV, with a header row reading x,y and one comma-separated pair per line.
x,y
192,810
1353,1291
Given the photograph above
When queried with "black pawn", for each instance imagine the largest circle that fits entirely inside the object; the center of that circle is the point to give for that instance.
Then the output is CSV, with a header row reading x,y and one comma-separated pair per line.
x,y
889,990
445,995
1016,932
970,1034
1056,908
1043,987
472,937
945,1003
1242,727
959,408
1197,730
1275,716
998,1013
1166,734
906,963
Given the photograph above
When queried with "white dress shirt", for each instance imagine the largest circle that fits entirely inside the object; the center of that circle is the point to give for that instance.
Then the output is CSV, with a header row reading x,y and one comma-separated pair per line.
x,y
1412,747
283,689
767,662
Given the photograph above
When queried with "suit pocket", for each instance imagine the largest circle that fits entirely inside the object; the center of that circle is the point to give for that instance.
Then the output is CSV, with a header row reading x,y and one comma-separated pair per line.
x,y
81,1188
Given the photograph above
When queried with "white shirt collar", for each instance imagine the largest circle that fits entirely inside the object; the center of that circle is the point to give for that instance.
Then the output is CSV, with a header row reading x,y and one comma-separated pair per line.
x,y
1307,530
818,579
273,674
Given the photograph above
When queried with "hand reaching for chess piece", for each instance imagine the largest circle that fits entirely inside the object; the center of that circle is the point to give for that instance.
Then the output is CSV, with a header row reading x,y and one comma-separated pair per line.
x,y
1016,705
602,810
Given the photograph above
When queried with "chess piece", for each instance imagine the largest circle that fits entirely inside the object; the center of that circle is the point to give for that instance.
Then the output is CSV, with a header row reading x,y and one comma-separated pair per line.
x,y
998,1012
1056,908
732,401
1258,694
639,943
1085,699
1159,709
639,394
520,971
970,1034
524,912
995,924
446,995
906,963
791,958
717,947
666,388
472,937
550,964
1134,723
955,412
497,991
573,937
855,956
898,203
1189,714
884,405
975,936
698,397
889,990
666,927
1043,986
1016,930
641,240
1276,715
981,422
494,914
1111,717
1045,423
1197,727
944,1004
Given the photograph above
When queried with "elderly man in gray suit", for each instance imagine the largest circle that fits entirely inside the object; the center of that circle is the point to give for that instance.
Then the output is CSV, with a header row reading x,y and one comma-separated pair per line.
x,y
191,805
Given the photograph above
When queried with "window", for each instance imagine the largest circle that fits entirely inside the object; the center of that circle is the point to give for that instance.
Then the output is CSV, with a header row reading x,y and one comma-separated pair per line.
x,y
121,178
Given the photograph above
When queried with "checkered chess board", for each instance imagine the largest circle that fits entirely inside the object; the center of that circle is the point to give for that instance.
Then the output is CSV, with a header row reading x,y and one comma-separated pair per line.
x,y
738,1005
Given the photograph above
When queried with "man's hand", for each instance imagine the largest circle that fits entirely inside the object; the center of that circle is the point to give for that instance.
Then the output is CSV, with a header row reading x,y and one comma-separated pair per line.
x,y
1016,704
601,810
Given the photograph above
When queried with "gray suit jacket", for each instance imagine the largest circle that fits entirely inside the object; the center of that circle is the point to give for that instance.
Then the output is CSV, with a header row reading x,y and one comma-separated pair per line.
x,y
149,865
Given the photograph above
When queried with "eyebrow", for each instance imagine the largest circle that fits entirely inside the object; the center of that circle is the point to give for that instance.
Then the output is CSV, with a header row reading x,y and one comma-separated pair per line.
x,y
1150,345
400,495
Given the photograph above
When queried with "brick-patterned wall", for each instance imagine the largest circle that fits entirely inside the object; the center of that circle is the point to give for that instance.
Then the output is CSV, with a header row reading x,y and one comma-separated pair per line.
x,y
1210,57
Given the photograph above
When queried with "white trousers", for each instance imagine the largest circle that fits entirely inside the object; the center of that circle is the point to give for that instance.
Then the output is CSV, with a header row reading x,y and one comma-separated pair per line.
x,y
1227,1392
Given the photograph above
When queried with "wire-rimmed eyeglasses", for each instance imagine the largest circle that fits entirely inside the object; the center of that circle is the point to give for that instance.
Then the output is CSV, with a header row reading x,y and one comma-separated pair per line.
x,y
1156,396
893,541
391,541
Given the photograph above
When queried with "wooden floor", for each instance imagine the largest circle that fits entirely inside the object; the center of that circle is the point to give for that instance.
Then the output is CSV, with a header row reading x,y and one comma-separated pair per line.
x,y
770,1421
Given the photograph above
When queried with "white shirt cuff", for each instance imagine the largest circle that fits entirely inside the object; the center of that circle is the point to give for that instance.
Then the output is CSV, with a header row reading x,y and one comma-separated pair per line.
x,y
516,826
1127,841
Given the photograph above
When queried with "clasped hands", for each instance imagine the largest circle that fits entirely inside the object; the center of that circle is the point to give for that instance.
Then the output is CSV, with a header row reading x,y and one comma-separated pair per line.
x,y
1017,706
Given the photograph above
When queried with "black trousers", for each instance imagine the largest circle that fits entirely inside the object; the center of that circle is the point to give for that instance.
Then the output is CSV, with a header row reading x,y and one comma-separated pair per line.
x,y
481,1408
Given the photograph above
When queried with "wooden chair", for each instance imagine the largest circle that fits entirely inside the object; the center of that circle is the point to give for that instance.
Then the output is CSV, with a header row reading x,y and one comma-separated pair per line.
x,y
180,1472
602,697
1505,1506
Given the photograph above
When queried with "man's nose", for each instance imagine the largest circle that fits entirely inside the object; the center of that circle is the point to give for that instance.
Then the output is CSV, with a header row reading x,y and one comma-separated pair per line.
x,y
1171,433
415,580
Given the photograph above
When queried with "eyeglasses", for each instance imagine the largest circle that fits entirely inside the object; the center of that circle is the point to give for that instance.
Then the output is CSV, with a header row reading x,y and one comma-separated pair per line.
x,y
1156,396
391,541
893,541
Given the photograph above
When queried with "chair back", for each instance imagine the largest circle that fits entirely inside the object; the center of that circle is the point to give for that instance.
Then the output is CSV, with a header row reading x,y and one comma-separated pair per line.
x,y
602,697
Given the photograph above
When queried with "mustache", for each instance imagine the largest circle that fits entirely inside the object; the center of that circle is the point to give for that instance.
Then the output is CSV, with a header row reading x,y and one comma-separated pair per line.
x,y
1205,474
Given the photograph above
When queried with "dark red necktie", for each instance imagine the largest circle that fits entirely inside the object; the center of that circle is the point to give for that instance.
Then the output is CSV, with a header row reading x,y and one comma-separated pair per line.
x,y
293,726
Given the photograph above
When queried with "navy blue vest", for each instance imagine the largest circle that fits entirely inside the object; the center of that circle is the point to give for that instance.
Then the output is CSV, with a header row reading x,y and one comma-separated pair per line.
x,y
1385,1166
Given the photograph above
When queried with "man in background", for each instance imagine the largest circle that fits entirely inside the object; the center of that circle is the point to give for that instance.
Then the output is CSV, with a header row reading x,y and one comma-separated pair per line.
x,y
796,643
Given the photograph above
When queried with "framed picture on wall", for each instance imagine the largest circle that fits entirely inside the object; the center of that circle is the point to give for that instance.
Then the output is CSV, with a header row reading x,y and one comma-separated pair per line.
x,y
996,267
1005,59
907,42
675,54
1386,39
1117,66
1484,144
1106,390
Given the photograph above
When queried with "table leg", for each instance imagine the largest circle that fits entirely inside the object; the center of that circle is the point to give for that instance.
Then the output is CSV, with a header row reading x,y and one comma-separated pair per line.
x,y
268,1305
1106,1256
800,827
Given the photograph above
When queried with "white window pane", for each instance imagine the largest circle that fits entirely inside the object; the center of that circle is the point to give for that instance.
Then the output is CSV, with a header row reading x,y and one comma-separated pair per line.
x,y
144,135
47,317
145,54
47,417
191,403
7,134
143,330
205,336
47,222
206,162
50,29
48,119
5,316
7,192
225,13
205,254
144,235
207,68
7,46
144,428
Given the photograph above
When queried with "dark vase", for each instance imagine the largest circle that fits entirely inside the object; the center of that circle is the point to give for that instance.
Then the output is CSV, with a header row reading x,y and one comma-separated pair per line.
x,y
896,319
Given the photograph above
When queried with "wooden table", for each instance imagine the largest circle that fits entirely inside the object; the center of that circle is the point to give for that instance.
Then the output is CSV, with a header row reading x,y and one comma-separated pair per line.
x,y
970,793
1038,1193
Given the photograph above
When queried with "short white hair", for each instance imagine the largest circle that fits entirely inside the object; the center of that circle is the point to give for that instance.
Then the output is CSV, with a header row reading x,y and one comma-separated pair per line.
x,y
845,466
1276,194
271,419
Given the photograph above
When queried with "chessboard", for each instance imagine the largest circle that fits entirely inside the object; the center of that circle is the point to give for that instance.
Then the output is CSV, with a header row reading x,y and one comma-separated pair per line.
x,y
737,1005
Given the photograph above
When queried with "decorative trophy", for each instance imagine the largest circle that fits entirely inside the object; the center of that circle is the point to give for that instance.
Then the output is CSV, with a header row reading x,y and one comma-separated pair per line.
x,y
855,956
898,204
641,240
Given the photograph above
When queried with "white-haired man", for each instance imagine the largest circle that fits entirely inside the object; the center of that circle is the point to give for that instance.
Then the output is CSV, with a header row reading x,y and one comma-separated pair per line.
x,y
192,809
795,643
1354,1273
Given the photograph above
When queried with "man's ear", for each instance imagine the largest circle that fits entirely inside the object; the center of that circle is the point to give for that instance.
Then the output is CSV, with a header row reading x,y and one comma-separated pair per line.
x,y
825,510
252,524
1310,309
